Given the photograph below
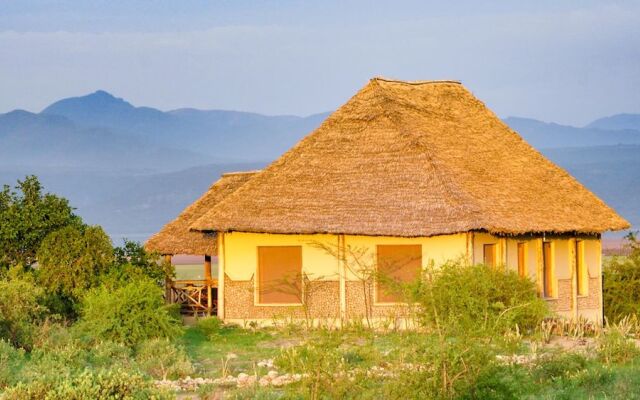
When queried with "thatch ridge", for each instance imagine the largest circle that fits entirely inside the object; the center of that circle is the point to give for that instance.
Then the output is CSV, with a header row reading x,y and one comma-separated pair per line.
x,y
412,159
176,238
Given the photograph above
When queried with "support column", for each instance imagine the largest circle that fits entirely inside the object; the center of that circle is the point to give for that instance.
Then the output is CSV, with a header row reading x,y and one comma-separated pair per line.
x,y
221,272
342,270
539,267
573,257
208,280
167,282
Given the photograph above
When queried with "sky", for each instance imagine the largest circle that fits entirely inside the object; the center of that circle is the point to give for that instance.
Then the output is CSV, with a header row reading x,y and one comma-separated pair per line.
x,y
568,61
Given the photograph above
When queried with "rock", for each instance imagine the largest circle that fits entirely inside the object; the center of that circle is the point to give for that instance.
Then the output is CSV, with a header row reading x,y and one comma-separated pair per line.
x,y
264,381
272,374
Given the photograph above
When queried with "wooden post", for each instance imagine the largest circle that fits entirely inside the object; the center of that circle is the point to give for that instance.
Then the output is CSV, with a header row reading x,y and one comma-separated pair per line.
x,y
167,282
207,278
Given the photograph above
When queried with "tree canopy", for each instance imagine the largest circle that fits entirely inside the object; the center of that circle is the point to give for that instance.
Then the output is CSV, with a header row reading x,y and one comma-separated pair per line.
x,y
27,216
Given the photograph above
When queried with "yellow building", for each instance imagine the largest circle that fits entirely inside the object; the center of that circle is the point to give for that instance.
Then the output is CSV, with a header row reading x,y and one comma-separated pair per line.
x,y
403,175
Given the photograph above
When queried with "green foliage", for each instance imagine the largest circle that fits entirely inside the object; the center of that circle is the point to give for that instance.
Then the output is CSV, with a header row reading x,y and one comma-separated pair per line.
x,y
558,365
20,311
163,360
27,216
614,347
133,262
90,384
621,291
129,314
477,300
11,362
210,326
72,259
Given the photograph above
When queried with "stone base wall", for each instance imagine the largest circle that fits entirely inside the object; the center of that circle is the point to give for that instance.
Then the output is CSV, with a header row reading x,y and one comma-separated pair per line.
x,y
587,305
323,299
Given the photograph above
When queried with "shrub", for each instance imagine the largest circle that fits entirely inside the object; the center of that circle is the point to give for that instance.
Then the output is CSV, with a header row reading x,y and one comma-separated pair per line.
x,y
458,298
129,315
103,384
442,368
163,360
621,291
210,326
20,311
11,360
615,348
559,365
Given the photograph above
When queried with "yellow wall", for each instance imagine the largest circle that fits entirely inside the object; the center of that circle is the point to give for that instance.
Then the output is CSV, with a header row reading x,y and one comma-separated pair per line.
x,y
241,255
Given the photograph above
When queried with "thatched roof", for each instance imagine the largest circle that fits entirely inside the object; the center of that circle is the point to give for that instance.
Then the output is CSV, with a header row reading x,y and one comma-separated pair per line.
x,y
176,238
412,159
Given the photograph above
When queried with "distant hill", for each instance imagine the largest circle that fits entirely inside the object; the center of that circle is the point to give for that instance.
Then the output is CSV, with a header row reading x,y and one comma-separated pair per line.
x,y
550,135
617,122
611,172
222,135
41,140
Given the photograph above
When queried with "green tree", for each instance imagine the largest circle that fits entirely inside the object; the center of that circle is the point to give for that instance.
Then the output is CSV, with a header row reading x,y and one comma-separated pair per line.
x,y
132,261
73,259
27,216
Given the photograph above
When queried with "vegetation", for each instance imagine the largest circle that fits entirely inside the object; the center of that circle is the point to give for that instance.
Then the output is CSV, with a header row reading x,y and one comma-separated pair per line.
x,y
477,300
621,292
129,314
27,216
91,322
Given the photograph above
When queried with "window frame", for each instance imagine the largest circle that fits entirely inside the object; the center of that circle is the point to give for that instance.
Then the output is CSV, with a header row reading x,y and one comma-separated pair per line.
x,y
256,283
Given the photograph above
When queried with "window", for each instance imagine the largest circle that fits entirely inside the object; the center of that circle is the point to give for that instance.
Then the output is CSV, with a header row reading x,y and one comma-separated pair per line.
x,y
581,272
396,263
547,273
489,255
280,275
522,268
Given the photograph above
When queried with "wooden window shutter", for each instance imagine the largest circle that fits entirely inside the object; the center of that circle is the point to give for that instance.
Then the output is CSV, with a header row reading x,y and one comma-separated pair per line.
x,y
280,274
547,272
522,269
489,255
397,263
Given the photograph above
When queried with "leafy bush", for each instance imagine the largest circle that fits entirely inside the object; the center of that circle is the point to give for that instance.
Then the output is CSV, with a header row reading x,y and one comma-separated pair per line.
x,y
11,360
458,298
90,384
621,291
73,258
210,326
129,314
163,360
20,311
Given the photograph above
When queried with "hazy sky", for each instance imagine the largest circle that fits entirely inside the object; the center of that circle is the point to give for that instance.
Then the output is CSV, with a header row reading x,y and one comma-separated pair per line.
x,y
563,61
